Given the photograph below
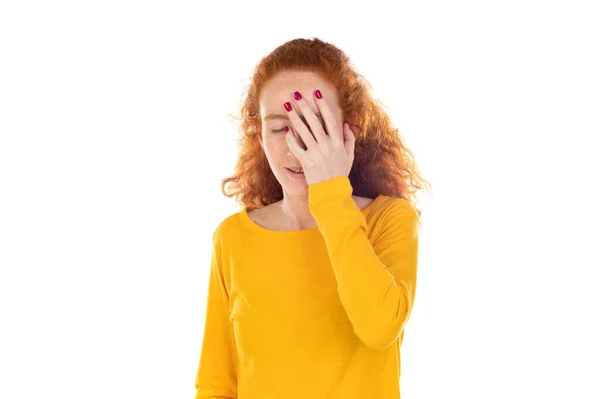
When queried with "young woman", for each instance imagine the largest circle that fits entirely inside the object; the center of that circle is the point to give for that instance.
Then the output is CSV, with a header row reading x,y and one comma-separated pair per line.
x,y
313,281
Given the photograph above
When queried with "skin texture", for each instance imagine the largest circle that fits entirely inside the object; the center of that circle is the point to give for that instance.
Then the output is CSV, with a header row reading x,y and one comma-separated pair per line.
x,y
329,146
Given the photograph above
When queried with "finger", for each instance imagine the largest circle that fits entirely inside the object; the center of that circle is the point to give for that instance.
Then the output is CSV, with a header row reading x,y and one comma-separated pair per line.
x,y
293,144
355,129
314,122
300,127
331,123
297,139
349,141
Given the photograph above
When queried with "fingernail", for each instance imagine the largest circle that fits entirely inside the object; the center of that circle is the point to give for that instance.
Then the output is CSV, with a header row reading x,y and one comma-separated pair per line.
x,y
318,94
287,129
297,95
288,106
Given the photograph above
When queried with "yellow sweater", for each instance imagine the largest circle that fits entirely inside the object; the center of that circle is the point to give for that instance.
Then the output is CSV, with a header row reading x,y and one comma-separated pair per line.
x,y
311,314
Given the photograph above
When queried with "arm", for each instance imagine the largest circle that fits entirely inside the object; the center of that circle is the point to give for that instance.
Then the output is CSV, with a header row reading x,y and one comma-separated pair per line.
x,y
217,370
376,282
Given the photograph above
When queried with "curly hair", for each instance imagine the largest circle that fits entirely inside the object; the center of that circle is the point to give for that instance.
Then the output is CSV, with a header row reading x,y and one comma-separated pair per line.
x,y
382,163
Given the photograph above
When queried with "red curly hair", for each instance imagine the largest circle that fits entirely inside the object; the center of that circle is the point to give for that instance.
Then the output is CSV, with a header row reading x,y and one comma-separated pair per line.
x,y
382,164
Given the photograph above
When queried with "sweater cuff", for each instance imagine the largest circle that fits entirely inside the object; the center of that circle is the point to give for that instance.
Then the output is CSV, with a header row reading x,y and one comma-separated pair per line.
x,y
329,192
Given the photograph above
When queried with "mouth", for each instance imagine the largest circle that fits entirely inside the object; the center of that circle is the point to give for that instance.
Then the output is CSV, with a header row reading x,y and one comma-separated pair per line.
x,y
295,174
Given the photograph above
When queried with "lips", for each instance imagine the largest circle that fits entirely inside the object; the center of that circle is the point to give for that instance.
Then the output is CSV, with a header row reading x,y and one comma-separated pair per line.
x,y
297,175
293,169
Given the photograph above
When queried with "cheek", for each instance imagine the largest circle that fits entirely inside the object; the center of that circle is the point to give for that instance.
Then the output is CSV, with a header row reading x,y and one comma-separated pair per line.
x,y
276,145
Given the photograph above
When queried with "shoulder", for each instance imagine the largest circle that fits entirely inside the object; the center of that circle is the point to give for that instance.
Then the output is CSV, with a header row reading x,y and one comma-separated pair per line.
x,y
231,227
400,205
226,227
391,213
393,206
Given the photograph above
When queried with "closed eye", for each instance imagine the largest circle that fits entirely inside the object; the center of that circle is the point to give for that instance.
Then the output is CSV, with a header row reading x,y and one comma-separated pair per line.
x,y
277,131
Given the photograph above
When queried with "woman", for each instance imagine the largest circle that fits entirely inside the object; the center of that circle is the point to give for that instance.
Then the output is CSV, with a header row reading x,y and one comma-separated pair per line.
x,y
313,281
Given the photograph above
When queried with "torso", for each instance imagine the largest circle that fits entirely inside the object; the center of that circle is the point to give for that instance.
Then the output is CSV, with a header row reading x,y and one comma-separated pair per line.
x,y
269,216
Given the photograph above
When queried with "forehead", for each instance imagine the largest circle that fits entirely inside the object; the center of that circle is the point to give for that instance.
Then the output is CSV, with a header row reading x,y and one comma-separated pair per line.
x,y
280,88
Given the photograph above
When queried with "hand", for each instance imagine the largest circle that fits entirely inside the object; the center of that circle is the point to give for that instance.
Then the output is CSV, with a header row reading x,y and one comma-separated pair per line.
x,y
328,155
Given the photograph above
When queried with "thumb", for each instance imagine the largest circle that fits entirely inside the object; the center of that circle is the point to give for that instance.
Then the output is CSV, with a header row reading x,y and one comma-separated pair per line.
x,y
349,139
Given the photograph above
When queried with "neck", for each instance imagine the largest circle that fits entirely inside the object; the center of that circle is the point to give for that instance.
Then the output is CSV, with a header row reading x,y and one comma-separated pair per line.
x,y
296,212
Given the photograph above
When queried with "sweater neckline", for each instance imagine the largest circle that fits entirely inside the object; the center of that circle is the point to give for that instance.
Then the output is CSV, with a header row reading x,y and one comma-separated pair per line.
x,y
252,225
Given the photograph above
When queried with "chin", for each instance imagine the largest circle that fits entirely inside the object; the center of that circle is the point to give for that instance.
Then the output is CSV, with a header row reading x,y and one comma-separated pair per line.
x,y
298,186
294,186
300,192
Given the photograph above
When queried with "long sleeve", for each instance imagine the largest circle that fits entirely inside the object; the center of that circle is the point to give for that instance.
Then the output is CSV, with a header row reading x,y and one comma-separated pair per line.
x,y
217,370
376,282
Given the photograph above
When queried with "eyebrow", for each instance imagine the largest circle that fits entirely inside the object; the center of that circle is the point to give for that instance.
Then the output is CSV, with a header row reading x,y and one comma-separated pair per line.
x,y
280,116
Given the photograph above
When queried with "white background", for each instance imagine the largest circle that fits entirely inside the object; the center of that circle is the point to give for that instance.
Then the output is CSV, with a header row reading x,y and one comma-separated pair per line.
x,y
115,138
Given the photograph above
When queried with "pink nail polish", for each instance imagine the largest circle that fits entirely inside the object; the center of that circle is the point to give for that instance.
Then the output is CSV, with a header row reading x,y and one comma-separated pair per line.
x,y
288,106
297,95
318,94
